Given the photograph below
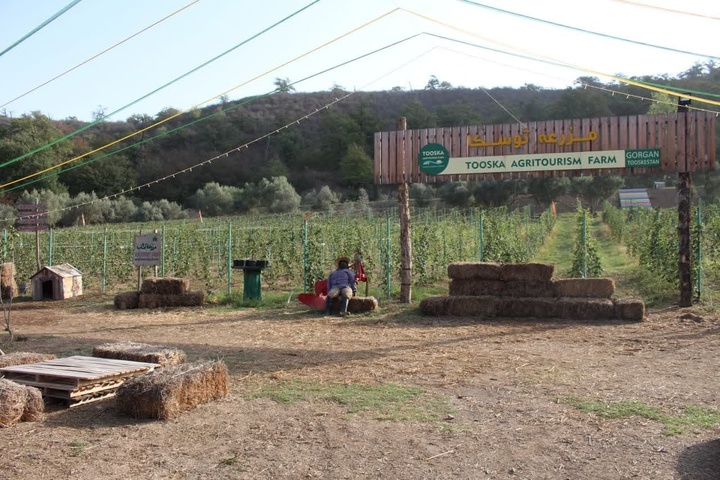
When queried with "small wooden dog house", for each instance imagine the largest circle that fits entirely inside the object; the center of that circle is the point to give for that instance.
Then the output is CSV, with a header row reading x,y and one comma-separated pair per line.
x,y
56,283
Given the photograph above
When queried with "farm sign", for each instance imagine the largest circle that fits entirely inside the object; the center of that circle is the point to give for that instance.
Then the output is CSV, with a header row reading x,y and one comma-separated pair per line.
x,y
148,250
670,143
434,159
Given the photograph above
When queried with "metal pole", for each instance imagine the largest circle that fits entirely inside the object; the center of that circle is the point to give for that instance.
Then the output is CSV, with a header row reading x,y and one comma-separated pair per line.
x,y
229,260
482,236
305,253
104,261
699,250
162,253
50,247
387,256
4,244
584,245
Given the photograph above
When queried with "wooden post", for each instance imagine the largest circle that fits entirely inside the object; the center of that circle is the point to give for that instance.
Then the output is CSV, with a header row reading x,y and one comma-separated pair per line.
x,y
405,226
684,200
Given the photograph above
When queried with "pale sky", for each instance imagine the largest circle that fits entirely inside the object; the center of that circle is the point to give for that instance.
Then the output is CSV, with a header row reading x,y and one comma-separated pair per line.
x,y
304,46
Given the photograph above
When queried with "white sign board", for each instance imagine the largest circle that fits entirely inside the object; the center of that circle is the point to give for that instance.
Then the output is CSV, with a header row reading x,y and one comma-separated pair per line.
x,y
148,250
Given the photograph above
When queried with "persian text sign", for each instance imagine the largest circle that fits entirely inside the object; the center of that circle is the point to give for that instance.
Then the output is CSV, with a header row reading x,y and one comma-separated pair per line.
x,y
32,217
148,250
545,162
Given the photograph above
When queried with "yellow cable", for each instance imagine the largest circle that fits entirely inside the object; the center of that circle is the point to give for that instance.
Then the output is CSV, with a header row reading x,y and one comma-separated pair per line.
x,y
201,103
576,67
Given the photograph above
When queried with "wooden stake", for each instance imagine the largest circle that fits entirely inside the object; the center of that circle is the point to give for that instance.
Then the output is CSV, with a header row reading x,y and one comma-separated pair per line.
x,y
405,227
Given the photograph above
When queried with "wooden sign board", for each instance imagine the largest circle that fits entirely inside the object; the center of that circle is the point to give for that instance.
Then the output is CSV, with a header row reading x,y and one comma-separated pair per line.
x,y
628,145
32,217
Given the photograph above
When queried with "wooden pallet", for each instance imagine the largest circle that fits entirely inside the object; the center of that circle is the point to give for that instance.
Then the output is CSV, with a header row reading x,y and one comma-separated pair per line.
x,y
77,380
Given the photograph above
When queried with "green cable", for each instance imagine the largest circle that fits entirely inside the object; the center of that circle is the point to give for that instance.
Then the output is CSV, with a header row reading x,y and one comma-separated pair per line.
x,y
39,27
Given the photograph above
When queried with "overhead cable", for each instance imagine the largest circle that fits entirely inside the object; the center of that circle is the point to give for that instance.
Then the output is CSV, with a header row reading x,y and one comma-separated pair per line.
x,y
40,27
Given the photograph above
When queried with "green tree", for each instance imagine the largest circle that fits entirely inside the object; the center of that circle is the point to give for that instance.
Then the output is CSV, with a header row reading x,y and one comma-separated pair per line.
x,y
546,189
418,116
215,199
594,190
283,85
581,103
356,167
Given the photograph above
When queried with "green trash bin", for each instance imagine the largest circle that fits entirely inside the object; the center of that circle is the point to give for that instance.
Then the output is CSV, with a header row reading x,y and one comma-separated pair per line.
x,y
252,277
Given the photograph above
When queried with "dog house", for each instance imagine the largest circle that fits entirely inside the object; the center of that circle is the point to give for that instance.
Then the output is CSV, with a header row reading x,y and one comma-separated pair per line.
x,y
56,283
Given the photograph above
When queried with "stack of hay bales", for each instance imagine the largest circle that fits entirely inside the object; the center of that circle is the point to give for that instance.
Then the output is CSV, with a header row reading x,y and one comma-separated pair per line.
x,y
8,287
528,290
23,358
19,403
140,352
157,292
165,393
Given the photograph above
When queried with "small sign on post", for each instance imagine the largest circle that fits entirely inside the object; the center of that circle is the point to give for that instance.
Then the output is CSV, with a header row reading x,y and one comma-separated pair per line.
x,y
32,217
148,250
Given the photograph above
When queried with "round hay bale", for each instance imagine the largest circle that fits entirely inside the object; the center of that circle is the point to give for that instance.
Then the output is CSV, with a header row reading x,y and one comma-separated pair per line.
x,y
127,300
23,358
12,402
34,405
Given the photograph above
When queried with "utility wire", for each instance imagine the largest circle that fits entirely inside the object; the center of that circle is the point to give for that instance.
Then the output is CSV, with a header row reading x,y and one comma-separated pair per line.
x,y
72,134
40,27
683,12
54,167
569,27
99,54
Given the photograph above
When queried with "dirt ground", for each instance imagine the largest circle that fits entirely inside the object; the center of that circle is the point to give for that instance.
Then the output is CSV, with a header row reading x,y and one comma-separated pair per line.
x,y
506,382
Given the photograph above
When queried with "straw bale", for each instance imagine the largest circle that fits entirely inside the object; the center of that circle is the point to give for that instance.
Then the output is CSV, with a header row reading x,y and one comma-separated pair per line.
x,y
528,307
585,287
7,270
141,352
127,300
474,287
468,306
165,285
629,309
477,270
192,299
165,393
527,271
24,358
12,402
527,288
435,306
586,308
34,405
362,304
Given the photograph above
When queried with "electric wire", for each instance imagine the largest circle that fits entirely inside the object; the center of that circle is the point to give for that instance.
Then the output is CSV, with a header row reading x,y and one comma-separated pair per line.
x,y
41,26
209,100
104,117
99,54
590,32
670,10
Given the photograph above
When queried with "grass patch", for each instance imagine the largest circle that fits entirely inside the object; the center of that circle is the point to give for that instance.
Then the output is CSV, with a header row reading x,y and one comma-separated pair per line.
x,y
388,401
77,447
270,300
233,462
693,418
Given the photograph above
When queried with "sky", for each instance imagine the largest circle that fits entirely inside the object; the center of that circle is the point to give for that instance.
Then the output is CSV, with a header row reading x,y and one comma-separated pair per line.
x,y
320,44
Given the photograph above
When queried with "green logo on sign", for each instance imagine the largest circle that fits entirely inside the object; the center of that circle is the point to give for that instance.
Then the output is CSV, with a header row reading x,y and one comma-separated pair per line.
x,y
646,157
433,158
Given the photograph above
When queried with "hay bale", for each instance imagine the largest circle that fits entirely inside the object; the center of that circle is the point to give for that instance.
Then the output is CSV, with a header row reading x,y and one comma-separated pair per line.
x,y
527,288
476,270
8,286
474,287
165,393
469,306
362,304
585,287
528,308
34,405
24,358
141,352
192,299
165,285
127,300
541,272
628,309
434,306
13,397
150,300
586,308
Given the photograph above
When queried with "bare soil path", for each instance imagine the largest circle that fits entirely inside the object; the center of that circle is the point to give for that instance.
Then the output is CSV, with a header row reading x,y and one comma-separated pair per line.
x,y
508,391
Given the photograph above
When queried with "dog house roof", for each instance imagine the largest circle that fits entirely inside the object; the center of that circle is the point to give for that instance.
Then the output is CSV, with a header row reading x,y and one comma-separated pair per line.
x,y
63,270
